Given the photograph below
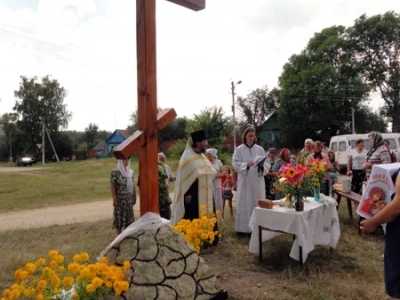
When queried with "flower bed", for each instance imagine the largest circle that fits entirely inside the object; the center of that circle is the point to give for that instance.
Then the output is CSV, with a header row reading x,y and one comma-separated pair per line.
x,y
53,278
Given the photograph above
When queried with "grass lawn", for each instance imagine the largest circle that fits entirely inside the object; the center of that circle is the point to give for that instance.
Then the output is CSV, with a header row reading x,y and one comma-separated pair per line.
x,y
60,184
354,271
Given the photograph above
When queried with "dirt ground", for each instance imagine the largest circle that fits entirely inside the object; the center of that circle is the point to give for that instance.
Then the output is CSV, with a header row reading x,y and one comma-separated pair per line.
x,y
19,169
61,215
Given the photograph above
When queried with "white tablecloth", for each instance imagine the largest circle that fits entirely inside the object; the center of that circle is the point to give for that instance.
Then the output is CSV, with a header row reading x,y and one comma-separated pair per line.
x,y
318,224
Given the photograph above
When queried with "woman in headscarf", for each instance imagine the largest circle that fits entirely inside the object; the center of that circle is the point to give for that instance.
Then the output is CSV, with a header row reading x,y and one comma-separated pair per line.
x,y
377,154
123,194
270,178
307,150
211,154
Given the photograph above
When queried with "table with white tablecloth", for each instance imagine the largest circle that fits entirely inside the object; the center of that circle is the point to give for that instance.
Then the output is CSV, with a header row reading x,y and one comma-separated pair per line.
x,y
318,224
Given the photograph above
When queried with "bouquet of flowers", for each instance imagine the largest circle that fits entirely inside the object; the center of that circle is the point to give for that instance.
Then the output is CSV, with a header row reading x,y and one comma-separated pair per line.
x,y
52,278
199,232
296,182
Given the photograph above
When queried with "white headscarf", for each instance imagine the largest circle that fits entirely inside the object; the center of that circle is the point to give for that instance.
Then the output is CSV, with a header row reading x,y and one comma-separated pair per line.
x,y
127,173
213,152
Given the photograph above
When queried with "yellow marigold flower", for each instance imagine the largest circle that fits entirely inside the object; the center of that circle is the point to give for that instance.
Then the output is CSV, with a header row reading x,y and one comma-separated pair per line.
x,y
68,281
53,253
84,256
30,268
39,297
97,282
55,281
218,213
127,265
41,261
74,268
59,259
90,288
104,260
61,269
41,284
53,264
75,296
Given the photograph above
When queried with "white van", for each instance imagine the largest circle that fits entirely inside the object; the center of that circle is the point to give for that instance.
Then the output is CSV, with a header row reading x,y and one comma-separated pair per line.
x,y
342,145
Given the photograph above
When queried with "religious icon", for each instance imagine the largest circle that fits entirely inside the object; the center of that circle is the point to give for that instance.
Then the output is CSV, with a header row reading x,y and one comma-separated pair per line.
x,y
375,202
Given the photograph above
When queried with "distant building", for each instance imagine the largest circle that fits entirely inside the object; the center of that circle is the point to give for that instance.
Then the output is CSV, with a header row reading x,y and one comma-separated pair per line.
x,y
270,133
116,138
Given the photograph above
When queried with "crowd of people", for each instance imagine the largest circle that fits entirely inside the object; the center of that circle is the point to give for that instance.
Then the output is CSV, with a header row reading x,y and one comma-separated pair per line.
x,y
202,180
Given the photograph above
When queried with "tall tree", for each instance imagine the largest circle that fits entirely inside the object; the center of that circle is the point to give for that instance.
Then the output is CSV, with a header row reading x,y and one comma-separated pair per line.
x,y
216,125
376,45
41,100
318,86
257,105
90,134
8,129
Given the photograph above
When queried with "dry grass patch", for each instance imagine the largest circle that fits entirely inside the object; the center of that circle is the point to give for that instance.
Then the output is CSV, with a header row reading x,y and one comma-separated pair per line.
x,y
354,271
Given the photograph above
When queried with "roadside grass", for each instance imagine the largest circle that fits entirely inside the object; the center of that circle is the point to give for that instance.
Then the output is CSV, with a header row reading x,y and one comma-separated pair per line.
x,y
353,271
59,184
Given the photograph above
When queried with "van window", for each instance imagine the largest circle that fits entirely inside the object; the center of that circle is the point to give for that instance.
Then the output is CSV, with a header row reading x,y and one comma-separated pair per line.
x,y
353,144
342,146
392,143
334,146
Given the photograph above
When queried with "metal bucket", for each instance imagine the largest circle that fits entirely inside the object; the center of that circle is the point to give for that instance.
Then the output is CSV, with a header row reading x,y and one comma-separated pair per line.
x,y
346,185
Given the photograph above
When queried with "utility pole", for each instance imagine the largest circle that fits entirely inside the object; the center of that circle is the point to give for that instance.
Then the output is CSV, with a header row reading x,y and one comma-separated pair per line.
x,y
233,85
353,123
43,141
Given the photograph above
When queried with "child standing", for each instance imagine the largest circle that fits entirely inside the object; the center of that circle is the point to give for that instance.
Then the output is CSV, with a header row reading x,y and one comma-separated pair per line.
x,y
333,170
227,185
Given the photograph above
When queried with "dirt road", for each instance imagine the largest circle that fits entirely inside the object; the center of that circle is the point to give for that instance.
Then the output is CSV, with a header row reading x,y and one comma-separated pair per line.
x,y
19,169
60,215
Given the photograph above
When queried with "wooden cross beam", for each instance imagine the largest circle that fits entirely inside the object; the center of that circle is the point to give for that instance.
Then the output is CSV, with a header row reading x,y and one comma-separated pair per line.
x,y
145,139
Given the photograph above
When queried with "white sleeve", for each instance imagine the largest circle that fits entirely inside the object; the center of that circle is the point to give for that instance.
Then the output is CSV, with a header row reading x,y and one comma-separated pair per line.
x,y
238,165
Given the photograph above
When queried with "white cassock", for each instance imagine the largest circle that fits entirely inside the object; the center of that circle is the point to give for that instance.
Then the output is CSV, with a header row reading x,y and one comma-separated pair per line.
x,y
250,184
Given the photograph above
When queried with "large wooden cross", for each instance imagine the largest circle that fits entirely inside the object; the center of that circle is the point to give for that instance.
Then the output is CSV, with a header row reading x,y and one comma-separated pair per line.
x,y
145,139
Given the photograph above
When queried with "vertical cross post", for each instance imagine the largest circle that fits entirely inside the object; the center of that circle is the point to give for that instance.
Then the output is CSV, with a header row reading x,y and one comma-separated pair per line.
x,y
147,103
145,139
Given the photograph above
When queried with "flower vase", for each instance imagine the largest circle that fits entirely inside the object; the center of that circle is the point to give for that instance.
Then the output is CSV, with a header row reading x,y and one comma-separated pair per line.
x,y
317,195
299,204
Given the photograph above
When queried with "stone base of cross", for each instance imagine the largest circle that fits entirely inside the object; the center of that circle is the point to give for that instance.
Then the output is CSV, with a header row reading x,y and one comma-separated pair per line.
x,y
145,139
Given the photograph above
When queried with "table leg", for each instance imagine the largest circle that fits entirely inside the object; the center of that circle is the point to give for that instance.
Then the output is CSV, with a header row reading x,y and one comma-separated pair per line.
x,y
359,222
260,254
301,256
339,197
350,208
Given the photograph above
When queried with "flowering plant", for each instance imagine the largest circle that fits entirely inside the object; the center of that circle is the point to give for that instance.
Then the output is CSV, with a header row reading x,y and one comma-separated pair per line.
x,y
199,232
318,170
53,279
295,182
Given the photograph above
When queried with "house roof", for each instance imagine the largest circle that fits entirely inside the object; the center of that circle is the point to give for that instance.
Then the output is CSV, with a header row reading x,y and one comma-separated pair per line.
x,y
101,145
124,132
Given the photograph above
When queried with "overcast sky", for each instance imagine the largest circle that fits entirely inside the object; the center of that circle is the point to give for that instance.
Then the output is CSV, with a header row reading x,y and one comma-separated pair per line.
x,y
90,47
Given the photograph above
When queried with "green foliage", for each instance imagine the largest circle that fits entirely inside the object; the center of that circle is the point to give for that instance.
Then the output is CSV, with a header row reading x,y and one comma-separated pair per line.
x,y
90,135
215,124
176,149
318,87
256,106
37,101
375,45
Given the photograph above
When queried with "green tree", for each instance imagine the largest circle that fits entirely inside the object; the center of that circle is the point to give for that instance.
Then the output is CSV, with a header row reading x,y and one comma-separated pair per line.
x,y
375,45
216,125
256,106
9,130
37,101
90,135
318,87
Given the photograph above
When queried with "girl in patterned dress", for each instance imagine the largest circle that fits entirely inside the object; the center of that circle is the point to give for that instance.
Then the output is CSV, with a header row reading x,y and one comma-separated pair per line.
x,y
123,194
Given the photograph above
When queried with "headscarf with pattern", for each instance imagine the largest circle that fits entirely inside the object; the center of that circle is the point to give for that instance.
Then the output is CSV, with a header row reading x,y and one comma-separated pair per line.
x,y
378,141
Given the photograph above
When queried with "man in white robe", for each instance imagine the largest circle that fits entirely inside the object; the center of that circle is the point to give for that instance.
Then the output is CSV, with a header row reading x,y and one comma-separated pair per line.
x,y
194,181
250,179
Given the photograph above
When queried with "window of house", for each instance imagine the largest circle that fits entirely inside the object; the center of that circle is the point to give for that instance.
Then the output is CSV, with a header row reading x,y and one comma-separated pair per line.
x,y
342,146
269,137
281,137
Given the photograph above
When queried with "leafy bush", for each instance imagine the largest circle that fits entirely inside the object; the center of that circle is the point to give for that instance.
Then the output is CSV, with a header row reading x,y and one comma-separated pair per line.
x,y
176,150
